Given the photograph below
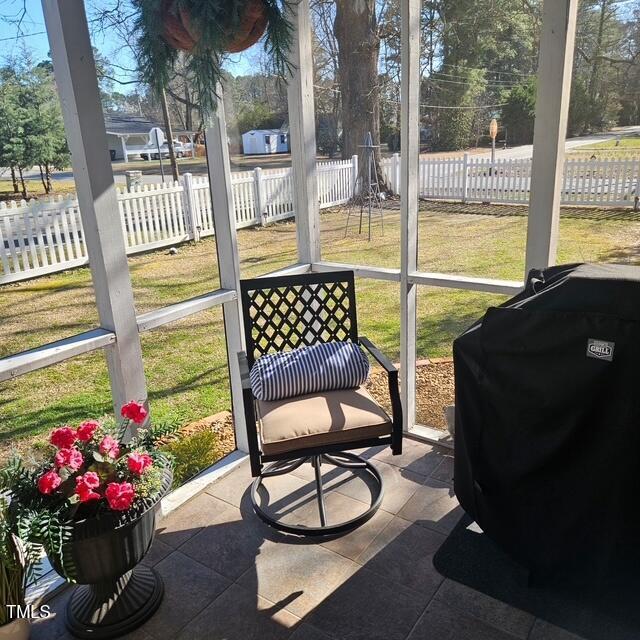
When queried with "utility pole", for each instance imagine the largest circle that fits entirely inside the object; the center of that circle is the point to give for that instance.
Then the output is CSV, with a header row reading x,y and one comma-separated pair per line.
x,y
169,131
493,132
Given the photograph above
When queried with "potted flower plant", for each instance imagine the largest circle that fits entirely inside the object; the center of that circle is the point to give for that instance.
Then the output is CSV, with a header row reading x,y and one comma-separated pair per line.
x,y
91,505
205,31
16,562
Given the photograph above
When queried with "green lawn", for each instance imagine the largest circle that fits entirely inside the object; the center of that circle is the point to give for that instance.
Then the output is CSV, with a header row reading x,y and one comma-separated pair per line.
x,y
185,362
35,189
627,148
630,141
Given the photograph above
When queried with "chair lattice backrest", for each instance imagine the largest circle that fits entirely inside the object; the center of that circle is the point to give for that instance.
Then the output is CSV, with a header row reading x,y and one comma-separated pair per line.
x,y
287,312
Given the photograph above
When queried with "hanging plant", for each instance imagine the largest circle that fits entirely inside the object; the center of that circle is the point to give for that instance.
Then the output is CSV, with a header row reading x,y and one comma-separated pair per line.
x,y
206,31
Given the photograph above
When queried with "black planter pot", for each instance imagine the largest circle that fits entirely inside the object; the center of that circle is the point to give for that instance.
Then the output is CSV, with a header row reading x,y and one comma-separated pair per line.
x,y
116,594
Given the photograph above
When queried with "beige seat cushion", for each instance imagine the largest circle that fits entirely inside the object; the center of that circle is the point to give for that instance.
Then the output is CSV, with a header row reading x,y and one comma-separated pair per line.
x,y
318,419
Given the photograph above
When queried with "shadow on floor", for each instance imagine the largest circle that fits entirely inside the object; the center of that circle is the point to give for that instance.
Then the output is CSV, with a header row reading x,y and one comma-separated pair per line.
x,y
228,576
581,604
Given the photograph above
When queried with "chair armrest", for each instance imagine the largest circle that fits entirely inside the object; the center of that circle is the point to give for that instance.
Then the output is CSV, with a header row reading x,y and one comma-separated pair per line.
x,y
249,414
394,392
382,360
243,363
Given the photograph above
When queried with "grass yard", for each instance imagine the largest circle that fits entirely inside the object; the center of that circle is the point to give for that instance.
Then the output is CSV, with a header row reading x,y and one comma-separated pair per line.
x,y
35,189
629,141
185,362
627,148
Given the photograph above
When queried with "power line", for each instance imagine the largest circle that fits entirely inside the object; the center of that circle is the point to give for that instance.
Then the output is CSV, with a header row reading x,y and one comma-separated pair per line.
x,y
484,86
484,106
424,106
23,35
453,75
508,73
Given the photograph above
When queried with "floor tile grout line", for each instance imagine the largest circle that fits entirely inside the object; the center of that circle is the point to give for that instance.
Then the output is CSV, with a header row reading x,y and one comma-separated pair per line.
x,y
426,606
533,624
233,583
320,544
442,461
195,615
357,558
535,619
356,561
225,501
395,582
477,618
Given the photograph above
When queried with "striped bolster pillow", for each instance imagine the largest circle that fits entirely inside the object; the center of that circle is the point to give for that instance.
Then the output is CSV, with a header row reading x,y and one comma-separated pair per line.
x,y
321,367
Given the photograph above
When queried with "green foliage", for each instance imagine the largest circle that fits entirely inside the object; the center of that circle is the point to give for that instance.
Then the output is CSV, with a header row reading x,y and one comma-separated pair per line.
x,y
153,434
606,79
193,453
150,483
454,127
327,138
21,532
29,518
31,126
257,115
216,22
12,567
519,112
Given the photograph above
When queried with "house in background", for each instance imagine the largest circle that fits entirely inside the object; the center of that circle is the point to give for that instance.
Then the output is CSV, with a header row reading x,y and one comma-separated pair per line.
x,y
265,141
128,135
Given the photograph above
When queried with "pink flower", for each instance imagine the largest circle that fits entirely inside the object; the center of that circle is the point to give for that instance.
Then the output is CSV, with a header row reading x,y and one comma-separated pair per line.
x,y
109,447
134,411
138,463
120,495
87,429
70,458
63,437
85,486
49,482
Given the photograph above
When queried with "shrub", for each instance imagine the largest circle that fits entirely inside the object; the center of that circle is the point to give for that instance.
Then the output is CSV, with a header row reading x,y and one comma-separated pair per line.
x,y
193,453
519,112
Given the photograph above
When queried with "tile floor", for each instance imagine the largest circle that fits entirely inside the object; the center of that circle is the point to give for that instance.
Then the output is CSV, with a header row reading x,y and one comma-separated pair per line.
x,y
230,577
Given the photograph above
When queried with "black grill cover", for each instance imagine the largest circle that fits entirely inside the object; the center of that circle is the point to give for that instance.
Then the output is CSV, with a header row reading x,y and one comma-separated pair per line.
x,y
547,443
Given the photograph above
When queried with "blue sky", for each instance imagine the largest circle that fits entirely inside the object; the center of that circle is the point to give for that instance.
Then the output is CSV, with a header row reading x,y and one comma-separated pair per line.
x,y
31,35
32,23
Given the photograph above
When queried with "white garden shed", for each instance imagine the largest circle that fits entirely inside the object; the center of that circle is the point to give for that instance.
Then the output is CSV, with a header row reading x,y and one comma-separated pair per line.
x,y
265,141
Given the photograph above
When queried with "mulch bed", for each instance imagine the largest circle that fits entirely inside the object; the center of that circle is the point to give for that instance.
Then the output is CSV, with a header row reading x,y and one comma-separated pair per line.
x,y
220,423
434,390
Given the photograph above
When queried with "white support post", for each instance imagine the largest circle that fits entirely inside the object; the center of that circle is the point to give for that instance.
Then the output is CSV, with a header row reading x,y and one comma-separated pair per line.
x,y
395,172
410,158
219,169
190,209
123,144
261,213
75,74
465,176
354,175
555,68
303,136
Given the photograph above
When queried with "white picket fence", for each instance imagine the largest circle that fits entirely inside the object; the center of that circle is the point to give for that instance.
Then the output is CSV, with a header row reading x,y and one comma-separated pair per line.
x,y
607,183
45,236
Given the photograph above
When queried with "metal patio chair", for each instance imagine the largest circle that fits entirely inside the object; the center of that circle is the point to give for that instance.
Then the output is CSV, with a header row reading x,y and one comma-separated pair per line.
x,y
287,312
